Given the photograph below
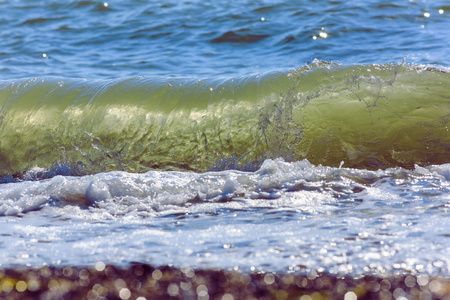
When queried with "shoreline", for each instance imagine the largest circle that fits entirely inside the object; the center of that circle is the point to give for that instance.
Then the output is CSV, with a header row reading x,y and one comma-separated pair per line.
x,y
143,281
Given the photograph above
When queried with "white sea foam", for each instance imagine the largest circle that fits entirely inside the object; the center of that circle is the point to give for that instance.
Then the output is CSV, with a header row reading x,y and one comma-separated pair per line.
x,y
283,217
155,191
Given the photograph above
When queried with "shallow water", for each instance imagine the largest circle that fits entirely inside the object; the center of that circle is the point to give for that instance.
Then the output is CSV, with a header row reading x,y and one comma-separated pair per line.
x,y
284,217
255,136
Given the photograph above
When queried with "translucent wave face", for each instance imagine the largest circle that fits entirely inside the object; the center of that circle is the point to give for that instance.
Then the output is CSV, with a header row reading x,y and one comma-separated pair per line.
x,y
371,117
283,217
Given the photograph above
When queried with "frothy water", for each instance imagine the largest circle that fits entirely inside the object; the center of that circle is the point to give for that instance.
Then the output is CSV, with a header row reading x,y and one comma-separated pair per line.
x,y
283,217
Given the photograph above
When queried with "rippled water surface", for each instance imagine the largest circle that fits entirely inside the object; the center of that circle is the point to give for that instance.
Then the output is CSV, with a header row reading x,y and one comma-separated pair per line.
x,y
95,39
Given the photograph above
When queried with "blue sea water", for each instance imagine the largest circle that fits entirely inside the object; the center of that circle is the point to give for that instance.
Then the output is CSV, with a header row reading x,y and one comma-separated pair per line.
x,y
281,136
100,39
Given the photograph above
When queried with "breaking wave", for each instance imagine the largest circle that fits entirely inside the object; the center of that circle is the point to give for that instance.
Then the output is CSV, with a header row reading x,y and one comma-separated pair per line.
x,y
370,117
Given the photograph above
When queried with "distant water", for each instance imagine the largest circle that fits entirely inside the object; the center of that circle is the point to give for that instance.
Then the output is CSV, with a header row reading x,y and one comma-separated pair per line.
x,y
257,136
116,39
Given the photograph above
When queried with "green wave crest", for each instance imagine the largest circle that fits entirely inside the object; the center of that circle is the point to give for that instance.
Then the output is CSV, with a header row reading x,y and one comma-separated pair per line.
x,y
375,116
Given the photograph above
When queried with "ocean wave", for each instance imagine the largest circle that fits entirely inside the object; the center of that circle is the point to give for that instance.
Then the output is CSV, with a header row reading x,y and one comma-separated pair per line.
x,y
374,116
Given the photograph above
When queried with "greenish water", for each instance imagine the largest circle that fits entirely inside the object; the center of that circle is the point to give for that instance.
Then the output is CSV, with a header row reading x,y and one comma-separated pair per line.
x,y
366,116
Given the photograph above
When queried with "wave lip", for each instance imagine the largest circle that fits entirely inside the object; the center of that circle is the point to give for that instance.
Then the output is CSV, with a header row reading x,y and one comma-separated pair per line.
x,y
375,116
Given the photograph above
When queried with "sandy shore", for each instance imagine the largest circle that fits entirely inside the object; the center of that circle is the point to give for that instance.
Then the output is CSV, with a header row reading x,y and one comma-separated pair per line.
x,y
146,282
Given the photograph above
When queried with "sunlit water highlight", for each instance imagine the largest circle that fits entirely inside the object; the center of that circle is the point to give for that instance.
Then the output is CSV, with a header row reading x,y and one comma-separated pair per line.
x,y
284,217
